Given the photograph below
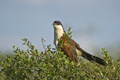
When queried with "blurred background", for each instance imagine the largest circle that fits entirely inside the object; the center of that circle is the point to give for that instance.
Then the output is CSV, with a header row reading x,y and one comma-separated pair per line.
x,y
95,23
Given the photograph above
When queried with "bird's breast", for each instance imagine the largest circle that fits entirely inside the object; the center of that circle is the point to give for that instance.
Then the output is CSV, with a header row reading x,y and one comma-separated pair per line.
x,y
57,35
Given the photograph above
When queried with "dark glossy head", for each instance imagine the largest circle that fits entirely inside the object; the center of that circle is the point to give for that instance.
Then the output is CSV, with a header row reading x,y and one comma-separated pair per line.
x,y
58,25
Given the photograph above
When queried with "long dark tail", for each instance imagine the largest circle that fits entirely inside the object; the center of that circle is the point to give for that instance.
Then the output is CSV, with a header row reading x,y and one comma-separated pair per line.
x,y
92,58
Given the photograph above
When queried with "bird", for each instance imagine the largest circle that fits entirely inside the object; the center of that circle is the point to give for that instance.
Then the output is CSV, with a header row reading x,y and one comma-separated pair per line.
x,y
70,48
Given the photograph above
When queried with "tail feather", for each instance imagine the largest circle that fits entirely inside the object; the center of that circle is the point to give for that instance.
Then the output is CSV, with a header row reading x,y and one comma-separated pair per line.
x,y
92,58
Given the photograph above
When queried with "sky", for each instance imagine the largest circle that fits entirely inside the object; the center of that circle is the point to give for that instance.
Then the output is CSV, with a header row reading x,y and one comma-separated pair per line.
x,y
95,23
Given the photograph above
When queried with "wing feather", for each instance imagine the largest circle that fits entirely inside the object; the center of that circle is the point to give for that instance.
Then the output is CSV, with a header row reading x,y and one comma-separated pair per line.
x,y
68,47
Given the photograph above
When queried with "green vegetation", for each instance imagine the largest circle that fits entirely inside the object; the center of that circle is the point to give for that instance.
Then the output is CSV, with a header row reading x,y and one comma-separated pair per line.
x,y
53,65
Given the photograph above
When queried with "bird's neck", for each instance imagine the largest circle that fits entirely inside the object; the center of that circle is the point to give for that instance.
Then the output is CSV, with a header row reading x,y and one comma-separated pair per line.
x,y
58,33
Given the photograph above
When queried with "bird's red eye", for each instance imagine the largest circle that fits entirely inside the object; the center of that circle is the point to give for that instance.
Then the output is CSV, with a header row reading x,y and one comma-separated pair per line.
x,y
57,22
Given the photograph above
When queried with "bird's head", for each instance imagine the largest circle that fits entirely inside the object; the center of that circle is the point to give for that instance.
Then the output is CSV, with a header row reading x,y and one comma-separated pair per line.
x,y
58,26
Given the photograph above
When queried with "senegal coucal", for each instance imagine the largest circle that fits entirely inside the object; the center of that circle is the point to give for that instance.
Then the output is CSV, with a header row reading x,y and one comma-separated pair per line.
x,y
69,46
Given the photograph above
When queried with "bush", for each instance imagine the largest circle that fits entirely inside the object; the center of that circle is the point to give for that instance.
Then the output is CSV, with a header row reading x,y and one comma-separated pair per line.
x,y
51,64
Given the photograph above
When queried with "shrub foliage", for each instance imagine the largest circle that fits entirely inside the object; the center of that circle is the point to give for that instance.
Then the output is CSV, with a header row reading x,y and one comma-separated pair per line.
x,y
54,65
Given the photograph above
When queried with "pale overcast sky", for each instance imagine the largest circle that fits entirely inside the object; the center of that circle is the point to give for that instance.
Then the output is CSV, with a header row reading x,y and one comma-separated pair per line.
x,y
94,22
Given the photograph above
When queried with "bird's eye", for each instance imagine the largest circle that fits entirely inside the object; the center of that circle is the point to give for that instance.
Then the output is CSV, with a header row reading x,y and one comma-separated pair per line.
x,y
57,22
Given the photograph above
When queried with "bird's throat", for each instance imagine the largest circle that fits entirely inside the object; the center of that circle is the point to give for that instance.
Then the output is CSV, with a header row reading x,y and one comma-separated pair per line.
x,y
57,35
